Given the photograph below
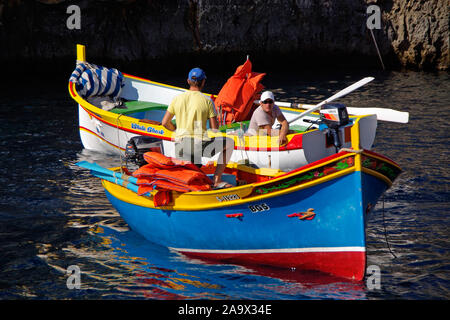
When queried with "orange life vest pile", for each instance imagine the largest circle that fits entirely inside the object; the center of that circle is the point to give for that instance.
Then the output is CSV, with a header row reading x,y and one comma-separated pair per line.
x,y
167,174
235,100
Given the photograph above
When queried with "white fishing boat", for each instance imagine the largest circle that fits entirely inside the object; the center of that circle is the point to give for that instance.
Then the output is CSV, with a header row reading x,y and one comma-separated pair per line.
x,y
108,129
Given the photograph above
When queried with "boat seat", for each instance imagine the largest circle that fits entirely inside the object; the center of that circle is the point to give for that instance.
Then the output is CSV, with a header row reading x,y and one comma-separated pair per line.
x,y
298,128
135,106
229,178
234,126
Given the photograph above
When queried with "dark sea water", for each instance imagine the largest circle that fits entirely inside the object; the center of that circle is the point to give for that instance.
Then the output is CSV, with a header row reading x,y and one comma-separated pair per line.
x,y
54,214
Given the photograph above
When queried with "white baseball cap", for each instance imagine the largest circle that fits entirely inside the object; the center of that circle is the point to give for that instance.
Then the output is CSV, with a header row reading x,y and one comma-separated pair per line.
x,y
267,95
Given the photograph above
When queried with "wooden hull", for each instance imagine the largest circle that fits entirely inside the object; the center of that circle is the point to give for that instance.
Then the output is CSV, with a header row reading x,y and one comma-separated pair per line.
x,y
108,132
261,223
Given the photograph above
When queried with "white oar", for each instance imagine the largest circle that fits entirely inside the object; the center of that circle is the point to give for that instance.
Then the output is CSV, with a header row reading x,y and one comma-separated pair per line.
x,y
383,114
341,93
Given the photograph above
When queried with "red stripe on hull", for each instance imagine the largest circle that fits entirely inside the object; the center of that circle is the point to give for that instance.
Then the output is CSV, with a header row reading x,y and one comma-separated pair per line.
x,y
345,264
295,144
101,138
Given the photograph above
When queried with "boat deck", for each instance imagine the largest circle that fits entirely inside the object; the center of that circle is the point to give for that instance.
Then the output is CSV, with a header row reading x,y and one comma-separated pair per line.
x,y
135,106
138,109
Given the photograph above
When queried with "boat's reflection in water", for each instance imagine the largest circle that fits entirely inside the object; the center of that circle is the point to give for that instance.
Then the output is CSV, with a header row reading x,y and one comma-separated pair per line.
x,y
119,263
157,273
304,284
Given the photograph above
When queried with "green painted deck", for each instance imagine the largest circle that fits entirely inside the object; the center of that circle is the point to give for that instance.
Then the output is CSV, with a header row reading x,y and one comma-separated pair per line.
x,y
139,106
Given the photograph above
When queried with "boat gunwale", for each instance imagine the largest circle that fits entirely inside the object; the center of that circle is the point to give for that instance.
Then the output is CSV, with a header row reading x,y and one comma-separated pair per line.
x,y
246,196
107,116
147,201
104,116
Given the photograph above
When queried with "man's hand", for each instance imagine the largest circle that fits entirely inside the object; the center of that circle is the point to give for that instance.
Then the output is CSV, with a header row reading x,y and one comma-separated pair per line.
x,y
167,121
282,139
284,129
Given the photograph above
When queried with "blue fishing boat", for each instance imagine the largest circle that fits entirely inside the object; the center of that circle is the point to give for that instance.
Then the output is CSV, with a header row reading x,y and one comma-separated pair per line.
x,y
310,218
302,205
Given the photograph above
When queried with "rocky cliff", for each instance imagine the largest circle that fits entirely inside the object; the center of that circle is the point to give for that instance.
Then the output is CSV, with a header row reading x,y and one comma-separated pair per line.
x,y
412,34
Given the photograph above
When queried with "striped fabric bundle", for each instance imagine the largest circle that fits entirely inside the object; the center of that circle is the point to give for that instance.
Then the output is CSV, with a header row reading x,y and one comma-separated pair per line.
x,y
92,80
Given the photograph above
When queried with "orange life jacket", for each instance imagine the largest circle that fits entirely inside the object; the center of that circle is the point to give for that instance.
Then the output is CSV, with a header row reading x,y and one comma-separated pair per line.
x,y
160,161
167,174
235,100
145,171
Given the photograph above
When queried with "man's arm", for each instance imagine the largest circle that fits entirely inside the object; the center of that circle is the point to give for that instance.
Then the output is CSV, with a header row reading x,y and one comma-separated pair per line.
x,y
267,128
167,121
213,123
284,128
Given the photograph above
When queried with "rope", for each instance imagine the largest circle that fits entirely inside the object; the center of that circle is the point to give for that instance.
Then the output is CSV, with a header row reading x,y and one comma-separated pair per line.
x,y
242,141
118,143
352,150
385,233
378,50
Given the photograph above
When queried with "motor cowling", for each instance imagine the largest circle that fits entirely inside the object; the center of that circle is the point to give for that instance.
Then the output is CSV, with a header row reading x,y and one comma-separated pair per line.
x,y
334,116
137,146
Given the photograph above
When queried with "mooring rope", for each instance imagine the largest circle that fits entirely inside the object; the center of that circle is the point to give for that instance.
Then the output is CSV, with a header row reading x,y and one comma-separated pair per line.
x,y
351,150
385,232
118,142
378,50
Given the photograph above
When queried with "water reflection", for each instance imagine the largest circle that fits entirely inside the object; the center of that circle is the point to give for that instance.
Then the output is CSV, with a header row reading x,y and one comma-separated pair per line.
x,y
154,272
294,283
55,214
394,90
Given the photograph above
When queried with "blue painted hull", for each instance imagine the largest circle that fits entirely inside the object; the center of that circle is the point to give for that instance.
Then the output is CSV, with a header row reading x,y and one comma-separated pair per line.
x,y
333,241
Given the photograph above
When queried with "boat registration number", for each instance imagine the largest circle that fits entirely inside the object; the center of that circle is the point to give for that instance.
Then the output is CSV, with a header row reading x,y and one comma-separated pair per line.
x,y
259,207
228,197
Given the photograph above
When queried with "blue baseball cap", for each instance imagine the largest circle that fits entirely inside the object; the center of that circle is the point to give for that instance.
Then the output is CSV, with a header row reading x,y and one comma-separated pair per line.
x,y
196,74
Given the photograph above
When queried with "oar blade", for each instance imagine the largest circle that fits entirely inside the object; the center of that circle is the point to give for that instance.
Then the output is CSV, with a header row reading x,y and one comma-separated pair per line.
x,y
383,114
341,93
94,167
97,169
84,164
349,89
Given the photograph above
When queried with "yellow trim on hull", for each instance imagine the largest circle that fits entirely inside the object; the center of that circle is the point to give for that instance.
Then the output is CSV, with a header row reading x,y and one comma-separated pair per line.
x,y
194,201
250,143
125,122
205,200
378,175
259,143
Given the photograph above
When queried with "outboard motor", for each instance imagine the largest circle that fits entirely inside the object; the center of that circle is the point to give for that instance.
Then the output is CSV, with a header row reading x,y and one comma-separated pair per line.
x,y
334,116
137,146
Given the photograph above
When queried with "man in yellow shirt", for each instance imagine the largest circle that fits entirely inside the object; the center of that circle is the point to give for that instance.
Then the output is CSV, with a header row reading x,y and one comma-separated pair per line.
x,y
192,110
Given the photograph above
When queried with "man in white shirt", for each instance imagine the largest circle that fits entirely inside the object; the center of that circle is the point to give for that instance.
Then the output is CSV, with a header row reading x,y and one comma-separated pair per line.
x,y
264,117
